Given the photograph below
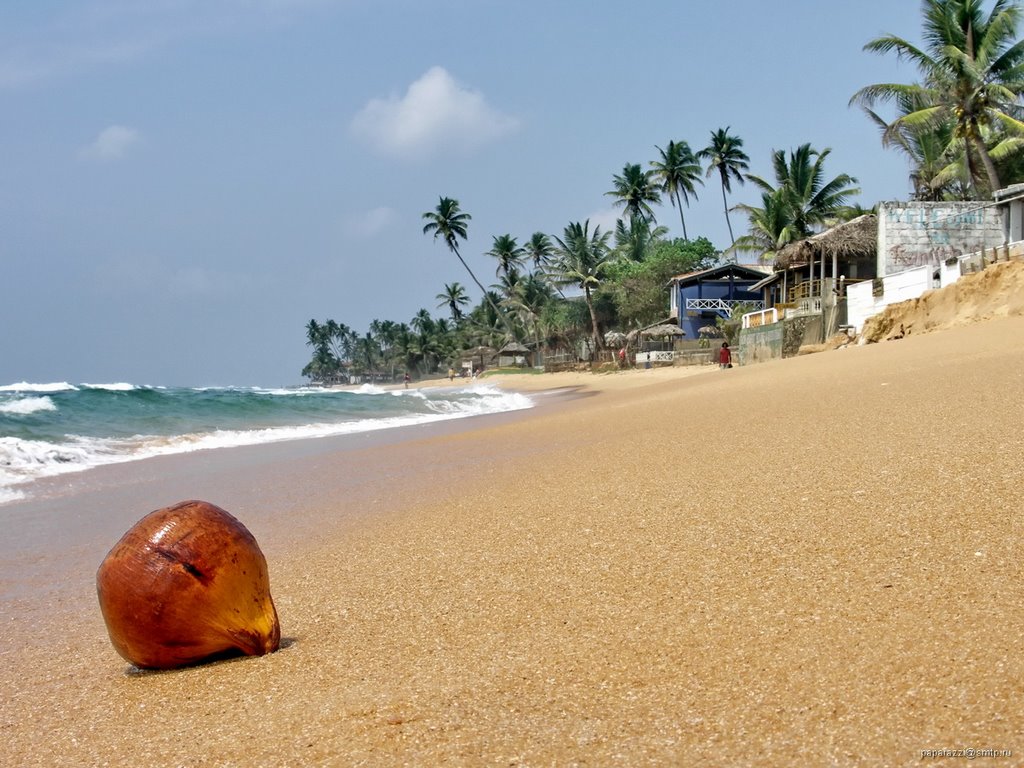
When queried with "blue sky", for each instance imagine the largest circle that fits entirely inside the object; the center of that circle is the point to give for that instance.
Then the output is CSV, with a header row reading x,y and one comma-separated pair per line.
x,y
185,183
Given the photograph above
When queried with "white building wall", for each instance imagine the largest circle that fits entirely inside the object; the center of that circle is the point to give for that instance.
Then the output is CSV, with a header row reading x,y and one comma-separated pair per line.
x,y
862,304
915,234
949,273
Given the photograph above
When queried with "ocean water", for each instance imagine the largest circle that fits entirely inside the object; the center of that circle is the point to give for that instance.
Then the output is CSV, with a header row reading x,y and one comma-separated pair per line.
x,y
52,429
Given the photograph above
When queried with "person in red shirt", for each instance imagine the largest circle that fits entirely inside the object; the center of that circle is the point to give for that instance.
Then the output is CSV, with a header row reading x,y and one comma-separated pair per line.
x,y
725,356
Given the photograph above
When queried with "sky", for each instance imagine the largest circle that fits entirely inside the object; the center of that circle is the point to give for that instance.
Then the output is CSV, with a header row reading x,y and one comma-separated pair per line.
x,y
184,184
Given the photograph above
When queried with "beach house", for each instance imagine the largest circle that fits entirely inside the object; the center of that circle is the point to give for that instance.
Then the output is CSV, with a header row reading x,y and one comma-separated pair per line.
x,y
699,298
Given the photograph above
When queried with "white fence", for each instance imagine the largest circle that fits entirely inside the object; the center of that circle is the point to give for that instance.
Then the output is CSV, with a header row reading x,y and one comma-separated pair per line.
x,y
903,286
759,318
861,303
642,358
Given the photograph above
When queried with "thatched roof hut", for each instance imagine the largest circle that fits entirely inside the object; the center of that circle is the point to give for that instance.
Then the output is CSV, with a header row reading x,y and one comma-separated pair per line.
x,y
513,353
854,240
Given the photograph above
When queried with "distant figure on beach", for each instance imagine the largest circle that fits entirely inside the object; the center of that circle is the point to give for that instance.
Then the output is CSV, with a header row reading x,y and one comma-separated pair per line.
x,y
451,374
725,356
622,357
406,379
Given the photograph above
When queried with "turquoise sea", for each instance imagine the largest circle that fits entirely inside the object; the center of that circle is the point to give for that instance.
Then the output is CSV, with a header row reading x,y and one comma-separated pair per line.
x,y
54,428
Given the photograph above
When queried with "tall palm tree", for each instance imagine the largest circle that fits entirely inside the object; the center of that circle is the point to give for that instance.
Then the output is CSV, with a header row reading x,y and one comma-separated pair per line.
x,y
508,253
678,170
972,70
636,191
449,223
454,297
582,261
725,155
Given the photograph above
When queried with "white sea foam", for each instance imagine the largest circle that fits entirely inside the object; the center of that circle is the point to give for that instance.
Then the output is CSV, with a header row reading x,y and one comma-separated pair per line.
x,y
22,461
26,405
116,387
369,389
24,386
9,494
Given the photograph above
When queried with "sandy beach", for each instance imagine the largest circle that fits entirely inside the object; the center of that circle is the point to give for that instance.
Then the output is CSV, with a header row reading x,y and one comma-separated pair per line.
x,y
813,561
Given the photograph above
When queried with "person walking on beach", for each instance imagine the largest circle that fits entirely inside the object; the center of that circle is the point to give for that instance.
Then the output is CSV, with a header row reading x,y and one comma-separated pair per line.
x,y
725,356
406,379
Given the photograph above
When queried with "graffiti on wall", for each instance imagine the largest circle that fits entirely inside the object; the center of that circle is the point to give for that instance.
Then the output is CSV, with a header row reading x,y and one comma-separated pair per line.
x,y
905,256
936,218
928,234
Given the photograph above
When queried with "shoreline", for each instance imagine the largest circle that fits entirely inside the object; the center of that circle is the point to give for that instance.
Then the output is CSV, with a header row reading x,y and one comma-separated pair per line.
x,y
804,562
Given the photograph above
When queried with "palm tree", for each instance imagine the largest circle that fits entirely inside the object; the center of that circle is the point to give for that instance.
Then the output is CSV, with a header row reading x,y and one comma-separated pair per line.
x,y
455,298
422,322
386,332
938,163
508,283
368,351
508,253
972,70
531,295
582,260
725,154
811,199
800,200
449,223
634,242
771,226
678,171
539,250
487,321
636,191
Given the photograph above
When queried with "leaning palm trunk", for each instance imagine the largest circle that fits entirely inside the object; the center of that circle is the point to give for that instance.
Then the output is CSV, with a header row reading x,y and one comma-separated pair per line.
x,y
598,344
504,319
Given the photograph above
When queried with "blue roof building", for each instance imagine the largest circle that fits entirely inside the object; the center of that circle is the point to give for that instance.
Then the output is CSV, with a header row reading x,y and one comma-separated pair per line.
x,y
699,298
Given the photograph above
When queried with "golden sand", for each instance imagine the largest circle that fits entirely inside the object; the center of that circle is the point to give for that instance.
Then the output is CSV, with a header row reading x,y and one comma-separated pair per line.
x,y
809,562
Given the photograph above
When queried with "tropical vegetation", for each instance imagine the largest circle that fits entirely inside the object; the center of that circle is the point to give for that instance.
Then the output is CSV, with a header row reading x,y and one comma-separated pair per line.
x,y
960,127
960,124
799,203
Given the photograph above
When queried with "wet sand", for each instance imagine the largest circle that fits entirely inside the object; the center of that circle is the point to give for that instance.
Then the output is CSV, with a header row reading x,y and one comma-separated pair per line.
x,y
808,562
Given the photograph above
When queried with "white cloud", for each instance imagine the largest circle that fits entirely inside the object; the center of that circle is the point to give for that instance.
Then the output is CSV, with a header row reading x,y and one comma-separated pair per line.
x,y
369,223
437,114
112,143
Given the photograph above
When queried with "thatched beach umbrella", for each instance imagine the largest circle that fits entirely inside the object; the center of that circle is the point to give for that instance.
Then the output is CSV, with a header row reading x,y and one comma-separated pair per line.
x,y
615,339
665,330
